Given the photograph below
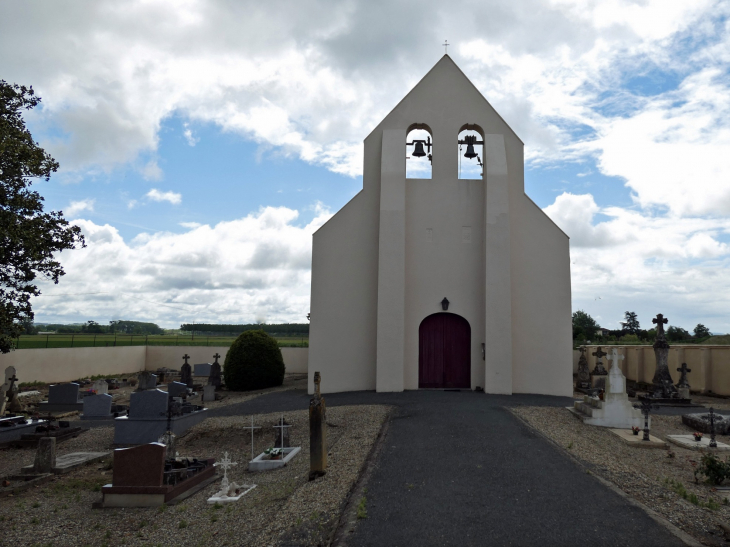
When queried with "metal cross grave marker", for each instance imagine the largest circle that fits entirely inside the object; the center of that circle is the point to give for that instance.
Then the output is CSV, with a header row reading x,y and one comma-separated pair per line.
x,y
225,463
713,442
281,426
252,427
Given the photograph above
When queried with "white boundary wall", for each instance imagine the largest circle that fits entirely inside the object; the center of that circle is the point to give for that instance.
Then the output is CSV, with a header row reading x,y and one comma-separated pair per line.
x,y
67,364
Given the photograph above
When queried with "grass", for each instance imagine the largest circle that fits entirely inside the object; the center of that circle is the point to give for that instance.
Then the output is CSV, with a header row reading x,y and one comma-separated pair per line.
x,y
679,489
720,340
38,341
362,512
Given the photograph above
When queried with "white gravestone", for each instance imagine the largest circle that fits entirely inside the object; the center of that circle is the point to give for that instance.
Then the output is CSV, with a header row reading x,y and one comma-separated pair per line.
x,y
97,407
615,411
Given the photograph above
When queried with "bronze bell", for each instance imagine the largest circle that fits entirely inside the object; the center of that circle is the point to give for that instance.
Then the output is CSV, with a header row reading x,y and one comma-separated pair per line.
x,y
418,151
470,140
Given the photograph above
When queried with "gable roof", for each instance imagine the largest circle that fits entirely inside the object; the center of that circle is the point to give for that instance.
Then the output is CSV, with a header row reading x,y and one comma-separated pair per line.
x,y
444,64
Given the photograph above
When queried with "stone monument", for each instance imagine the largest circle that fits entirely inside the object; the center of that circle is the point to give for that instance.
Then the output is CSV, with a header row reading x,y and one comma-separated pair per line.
x,y
584,375
215,373
317,432
683,384
615,410
663,386
186,372
598,376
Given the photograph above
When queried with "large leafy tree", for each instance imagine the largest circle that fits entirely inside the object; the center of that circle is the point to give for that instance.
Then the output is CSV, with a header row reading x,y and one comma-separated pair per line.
x,y
29,237
584,324
631,323
701,331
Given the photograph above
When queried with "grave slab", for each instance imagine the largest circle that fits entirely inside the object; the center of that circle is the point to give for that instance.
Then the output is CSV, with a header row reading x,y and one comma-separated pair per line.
x,y
62,398
260,463
688,441
243,490
14,432
627,436
131,431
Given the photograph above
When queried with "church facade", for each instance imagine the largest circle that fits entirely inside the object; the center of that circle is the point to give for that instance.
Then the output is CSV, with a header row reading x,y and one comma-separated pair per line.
x,y
433,280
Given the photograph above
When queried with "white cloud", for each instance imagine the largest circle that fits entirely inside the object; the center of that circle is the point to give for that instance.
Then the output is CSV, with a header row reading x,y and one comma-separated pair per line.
x,y
157,195
191,225
75,207
188,134
237,271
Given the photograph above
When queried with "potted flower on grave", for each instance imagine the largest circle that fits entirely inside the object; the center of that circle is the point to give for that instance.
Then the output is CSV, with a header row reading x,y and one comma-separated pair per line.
x,y
698,436
274,453
635,429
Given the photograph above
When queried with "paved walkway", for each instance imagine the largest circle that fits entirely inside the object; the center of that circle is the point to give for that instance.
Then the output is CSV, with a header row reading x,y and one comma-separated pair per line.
x,y
458,469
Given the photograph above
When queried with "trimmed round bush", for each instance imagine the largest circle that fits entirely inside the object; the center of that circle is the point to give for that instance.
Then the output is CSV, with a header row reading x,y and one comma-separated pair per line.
x,y
253,362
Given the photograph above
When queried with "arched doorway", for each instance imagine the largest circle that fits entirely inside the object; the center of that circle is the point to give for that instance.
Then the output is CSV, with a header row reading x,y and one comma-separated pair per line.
x,y
444,352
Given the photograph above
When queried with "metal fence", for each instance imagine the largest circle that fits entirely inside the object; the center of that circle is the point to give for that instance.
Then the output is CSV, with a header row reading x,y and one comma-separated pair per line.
x,y
40,341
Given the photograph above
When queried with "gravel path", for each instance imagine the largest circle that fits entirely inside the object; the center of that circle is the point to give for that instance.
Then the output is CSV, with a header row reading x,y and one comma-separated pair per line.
x,y
655,477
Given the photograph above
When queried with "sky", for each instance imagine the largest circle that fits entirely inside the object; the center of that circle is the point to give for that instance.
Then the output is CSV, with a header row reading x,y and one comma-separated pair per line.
x,y
201,143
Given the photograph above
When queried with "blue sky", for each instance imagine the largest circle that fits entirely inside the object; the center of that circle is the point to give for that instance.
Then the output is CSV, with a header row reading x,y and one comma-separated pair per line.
x,y
201,143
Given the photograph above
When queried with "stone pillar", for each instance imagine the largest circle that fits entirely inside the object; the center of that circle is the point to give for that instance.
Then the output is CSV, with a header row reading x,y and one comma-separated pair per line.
x,y
45,456
317,433
663,386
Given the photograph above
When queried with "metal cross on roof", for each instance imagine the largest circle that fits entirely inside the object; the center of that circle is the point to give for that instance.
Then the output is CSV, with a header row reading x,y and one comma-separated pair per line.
x,y
281,426
252,427
446,46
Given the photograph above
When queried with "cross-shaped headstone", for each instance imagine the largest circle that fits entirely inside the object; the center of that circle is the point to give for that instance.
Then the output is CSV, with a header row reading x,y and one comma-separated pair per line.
x,y
186,357
252,427
446,46
281,426
582,350
216,357
615,358
660,321
599,353
225,463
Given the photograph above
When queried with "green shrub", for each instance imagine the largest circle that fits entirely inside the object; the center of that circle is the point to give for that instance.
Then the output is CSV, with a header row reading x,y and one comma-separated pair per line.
x,y
714,469
253,362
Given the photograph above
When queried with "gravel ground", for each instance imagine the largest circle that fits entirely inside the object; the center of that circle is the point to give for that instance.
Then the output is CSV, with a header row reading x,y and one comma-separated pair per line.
x,y
651,476
284,508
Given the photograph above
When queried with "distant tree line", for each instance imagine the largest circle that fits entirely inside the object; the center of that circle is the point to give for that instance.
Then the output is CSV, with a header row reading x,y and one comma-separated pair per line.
x,y
586,328
282,329
92,327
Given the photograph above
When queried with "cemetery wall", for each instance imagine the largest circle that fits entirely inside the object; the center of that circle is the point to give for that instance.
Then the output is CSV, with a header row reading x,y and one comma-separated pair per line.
x,y
709,365
68,364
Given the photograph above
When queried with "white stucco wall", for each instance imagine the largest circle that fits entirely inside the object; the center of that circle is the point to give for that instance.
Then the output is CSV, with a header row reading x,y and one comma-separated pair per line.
x,y
67,364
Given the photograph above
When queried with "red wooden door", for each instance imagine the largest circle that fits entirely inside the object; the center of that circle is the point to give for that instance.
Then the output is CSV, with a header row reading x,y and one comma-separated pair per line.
x,y
444,356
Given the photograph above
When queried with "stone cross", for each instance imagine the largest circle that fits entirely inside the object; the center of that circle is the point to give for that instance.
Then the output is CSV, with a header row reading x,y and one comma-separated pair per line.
x,y
713,442
225,463
660,321
582,351
598,370
215,372
282,425
615,358
252,427
646,407
186,357
683,370
216,357
186,372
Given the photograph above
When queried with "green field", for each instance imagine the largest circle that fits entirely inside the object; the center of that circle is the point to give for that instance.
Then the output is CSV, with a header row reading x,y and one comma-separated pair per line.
x,y
28,341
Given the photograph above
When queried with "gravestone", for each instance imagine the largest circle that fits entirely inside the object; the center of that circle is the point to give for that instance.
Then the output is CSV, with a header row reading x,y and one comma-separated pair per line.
x,y
615,410
186,373
8,391
62,398
139,478
146,380
317,432
663,386
599,373
148,418
208,393
101,387
683,384
45,456
584,375
202,369
177,389
97,407
215,373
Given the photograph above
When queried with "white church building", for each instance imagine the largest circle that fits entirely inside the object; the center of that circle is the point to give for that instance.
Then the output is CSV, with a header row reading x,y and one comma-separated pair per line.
x,y
441,273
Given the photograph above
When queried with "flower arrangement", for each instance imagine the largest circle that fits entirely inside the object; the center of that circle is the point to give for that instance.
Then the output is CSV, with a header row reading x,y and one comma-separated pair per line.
x,y
274,453
635,429
698,436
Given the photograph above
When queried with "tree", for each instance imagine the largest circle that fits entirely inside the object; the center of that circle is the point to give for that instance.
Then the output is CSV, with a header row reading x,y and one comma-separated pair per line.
x,y
29,237
253,361
631,325
676,334
701,331
584,324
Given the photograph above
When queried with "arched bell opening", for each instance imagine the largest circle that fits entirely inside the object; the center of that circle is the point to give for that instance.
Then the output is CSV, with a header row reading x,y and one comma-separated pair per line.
x,y
419,151
444,352
471,152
